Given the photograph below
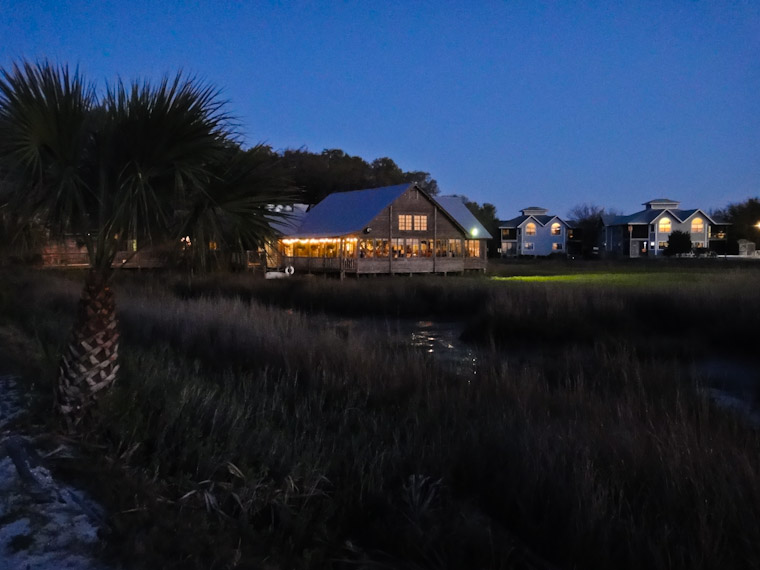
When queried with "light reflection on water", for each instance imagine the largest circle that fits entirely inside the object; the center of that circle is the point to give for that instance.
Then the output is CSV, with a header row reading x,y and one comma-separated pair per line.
x,y
730,383
437,339
441,340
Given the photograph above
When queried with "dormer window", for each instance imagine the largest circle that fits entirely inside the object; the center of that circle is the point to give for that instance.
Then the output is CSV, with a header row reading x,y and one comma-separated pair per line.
x,y
664,226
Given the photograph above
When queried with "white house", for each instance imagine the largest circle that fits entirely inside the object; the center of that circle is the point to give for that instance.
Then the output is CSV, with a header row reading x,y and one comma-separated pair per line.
x,y
646,232
534,232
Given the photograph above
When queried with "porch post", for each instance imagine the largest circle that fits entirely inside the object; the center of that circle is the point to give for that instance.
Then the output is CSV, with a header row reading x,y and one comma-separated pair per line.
x,y
435,235
340,259
390,240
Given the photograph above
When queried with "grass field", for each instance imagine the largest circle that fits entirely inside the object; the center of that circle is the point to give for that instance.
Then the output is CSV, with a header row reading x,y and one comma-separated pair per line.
x,y
243,432
637,279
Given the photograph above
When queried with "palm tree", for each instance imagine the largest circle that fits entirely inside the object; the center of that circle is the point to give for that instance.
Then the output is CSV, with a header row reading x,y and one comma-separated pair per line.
x,y
141,161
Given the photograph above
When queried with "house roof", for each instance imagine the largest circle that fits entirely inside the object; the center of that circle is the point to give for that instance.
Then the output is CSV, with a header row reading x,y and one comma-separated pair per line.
x,y
287,218
533,211
460,213
648,216
343,213
516,222
661,202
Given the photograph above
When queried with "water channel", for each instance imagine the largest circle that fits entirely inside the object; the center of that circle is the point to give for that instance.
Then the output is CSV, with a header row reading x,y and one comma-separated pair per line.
x,y
732,383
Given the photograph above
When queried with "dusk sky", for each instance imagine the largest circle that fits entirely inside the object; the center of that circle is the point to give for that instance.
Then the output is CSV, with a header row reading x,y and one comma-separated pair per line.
x,y
514,103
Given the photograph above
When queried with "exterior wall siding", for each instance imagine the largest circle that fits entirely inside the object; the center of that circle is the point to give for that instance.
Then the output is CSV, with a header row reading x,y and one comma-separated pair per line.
x,y
542,241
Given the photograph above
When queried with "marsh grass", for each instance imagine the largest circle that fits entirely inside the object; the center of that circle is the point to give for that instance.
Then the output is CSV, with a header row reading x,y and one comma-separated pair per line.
x,y
240,433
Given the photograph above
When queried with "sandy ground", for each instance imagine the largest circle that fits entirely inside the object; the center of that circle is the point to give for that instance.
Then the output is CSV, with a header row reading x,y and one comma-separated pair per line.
x,y
44,524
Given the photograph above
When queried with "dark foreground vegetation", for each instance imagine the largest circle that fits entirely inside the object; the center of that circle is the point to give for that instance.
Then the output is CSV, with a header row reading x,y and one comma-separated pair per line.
x,y
245,433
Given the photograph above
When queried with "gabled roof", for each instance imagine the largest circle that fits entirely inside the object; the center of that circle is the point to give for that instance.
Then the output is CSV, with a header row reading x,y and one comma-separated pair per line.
x,y
648,216
684,215
345,213
455,207
518,221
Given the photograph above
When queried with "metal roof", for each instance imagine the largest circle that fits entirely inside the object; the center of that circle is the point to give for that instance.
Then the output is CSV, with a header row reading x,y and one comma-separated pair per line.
x,y
343,213
455,207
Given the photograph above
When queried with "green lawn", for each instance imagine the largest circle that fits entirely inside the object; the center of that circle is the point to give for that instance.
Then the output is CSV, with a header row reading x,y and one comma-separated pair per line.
x,y
638,279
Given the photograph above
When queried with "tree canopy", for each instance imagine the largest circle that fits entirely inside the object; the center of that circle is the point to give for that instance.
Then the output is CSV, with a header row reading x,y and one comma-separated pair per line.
x,y
333,170
133,161
744,220
586,220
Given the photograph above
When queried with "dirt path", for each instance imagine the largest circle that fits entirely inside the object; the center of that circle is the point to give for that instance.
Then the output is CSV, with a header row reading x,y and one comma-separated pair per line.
x,y
44,524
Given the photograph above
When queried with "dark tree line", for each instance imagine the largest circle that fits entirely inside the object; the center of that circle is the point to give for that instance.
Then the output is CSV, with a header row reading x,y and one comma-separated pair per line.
x,y
744,220
318,174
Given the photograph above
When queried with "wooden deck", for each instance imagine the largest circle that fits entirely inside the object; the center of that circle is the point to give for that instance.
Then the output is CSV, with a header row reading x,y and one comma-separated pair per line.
x,y
384,266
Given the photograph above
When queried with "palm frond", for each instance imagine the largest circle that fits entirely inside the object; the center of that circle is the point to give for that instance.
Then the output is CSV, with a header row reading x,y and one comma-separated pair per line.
x,y
45,133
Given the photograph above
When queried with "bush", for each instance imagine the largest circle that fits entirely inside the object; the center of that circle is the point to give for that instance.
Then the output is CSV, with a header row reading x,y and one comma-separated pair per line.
x,y
678,243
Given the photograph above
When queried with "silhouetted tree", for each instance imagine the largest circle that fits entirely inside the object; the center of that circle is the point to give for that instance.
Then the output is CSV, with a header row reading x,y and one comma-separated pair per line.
x,y
586,220
333,170
678,243
744,220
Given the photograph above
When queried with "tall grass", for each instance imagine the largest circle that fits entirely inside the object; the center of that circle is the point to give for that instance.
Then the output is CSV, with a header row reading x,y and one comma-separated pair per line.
x,y
240,432
715,312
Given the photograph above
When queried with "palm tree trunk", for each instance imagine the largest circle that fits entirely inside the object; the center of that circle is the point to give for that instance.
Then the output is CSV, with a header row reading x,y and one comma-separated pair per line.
x,y
90,362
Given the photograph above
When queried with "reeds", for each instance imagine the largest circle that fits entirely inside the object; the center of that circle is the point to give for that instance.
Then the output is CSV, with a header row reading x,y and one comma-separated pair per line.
x,y
246,432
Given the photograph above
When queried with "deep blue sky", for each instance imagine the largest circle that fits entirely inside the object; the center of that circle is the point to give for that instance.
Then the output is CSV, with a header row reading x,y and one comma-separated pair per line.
x,y
513,103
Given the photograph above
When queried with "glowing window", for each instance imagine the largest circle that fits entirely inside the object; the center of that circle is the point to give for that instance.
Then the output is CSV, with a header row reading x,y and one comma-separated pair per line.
x,y
556,229
530,229
420,223
664,225
455,248
697,226
404,222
